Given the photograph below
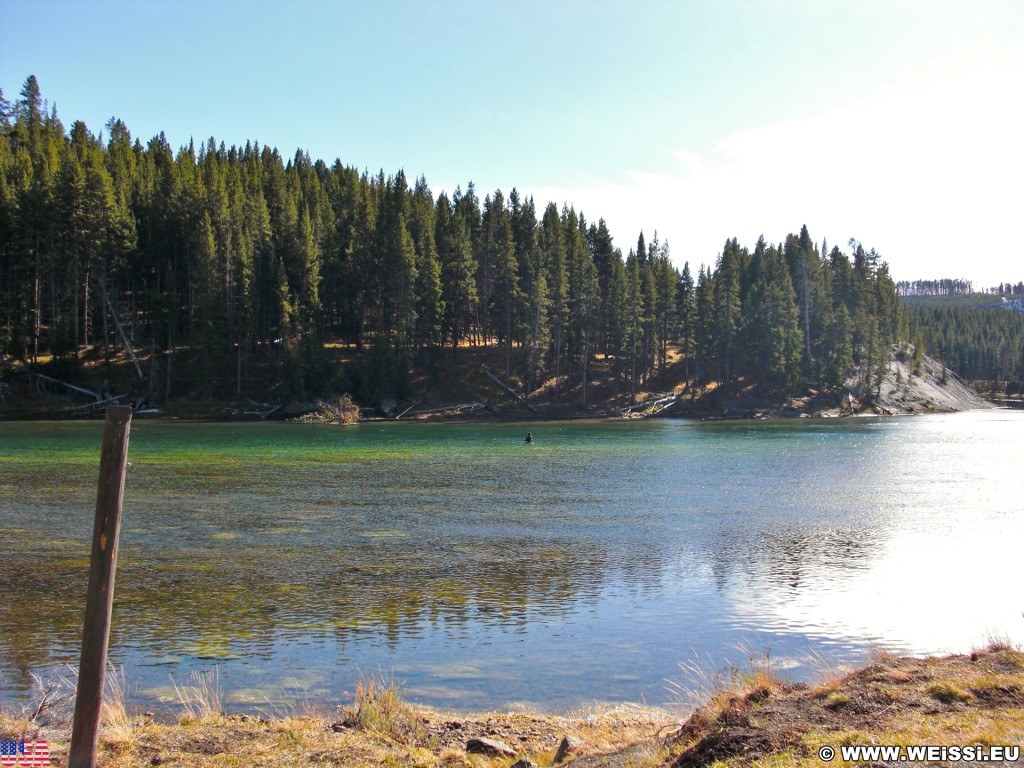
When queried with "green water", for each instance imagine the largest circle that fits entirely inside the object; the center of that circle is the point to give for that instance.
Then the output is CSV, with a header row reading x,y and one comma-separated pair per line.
x,y
482,572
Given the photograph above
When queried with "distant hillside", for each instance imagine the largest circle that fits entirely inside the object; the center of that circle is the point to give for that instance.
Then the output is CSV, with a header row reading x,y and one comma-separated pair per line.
x,y
956,300
980,336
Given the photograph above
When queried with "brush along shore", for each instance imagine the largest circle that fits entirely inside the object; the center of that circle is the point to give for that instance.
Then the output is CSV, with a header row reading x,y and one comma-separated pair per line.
x,y
463,386
753,719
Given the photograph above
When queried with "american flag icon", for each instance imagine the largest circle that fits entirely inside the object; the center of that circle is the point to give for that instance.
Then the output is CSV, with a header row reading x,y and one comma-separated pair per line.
x,y
15,752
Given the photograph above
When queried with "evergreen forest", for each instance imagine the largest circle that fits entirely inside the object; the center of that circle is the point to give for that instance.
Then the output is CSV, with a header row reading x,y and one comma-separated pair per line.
x,y
235,272
982,344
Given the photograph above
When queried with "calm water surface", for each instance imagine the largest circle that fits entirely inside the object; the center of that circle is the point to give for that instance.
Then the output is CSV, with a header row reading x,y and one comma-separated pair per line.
x,y
481,572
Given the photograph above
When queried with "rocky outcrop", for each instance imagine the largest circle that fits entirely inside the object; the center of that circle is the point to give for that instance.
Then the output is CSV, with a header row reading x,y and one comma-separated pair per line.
x,y
906,387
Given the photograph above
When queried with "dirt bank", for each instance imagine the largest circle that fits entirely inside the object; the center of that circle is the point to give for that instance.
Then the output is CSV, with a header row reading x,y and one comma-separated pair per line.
x,y
948,702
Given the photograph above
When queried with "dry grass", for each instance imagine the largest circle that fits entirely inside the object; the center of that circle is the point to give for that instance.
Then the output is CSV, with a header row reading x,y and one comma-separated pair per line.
x,y
717,693
380,709
117,727
836,699
828,669
948,693
996,642
955,700
202,698
379,729
747,718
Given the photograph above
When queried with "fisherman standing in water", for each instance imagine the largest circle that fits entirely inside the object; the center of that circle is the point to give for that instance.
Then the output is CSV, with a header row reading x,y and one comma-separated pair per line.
x,y
529,437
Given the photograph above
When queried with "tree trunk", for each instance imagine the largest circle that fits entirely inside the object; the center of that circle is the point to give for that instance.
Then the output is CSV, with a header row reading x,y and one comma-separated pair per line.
x,y
85,310
36,321
106,327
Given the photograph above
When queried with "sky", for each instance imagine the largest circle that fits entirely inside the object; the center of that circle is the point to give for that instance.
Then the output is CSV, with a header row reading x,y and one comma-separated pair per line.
x,y
894,122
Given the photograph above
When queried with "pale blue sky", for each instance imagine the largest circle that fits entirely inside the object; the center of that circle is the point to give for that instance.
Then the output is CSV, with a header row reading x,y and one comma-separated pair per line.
x,y
897,123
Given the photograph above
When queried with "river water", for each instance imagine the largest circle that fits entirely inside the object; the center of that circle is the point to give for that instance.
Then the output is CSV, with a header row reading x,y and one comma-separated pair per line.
x,y
480,572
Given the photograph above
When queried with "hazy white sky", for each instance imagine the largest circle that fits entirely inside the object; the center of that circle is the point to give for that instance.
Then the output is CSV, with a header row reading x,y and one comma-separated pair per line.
x,y
897,123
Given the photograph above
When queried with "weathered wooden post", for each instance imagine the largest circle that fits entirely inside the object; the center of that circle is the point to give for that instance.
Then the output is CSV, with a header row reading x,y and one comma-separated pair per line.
x,y
99,600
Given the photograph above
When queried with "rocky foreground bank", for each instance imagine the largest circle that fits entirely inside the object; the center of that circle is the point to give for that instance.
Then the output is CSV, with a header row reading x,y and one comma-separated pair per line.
x,y
755,721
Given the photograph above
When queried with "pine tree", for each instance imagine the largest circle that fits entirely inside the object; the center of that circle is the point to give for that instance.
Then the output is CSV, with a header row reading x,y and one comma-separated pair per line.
x,y
618,320
553,261
785,339
470,220
501,269
666,280
458,270
583,296
704,328
686,309
606,260
635,314
727,311
430,308
534,332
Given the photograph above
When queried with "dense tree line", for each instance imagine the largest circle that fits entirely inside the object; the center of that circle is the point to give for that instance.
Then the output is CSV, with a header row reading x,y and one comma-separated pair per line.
x,y
978,340
1009,288
793,313
946,287
980,344
246,264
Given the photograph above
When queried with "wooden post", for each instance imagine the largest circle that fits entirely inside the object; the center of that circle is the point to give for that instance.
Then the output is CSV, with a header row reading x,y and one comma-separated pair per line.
x,y
99,599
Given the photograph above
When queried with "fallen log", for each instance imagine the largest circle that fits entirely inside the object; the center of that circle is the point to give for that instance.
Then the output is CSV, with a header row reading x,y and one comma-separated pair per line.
x,y
120,330
444,408
414,404
265,409
272,411
82,390
113,399
652,406
664,405
510,391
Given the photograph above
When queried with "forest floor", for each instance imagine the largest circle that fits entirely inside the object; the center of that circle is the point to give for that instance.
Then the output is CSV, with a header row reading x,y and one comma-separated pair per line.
x,y
747,718
462,384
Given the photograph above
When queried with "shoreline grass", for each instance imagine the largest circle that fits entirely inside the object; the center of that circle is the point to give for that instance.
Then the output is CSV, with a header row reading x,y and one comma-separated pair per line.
x,y
747,717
